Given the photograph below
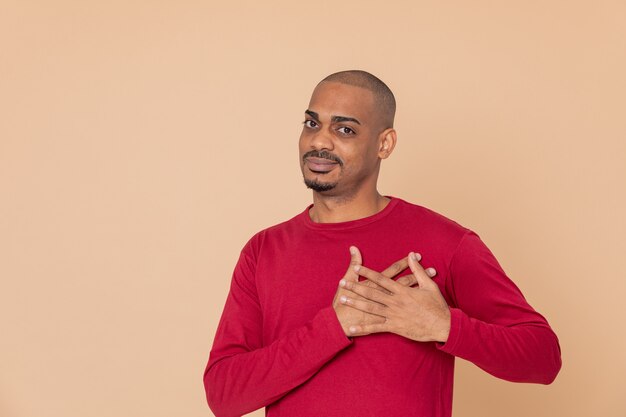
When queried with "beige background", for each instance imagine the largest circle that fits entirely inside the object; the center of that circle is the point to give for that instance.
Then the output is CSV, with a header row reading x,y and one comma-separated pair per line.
x,y
143,142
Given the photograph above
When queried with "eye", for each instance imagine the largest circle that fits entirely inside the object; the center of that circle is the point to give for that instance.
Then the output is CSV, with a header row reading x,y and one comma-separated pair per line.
x,y
311,124
346,131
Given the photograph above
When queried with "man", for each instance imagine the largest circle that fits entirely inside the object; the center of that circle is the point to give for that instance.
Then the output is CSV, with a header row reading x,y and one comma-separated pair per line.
x,y
311,328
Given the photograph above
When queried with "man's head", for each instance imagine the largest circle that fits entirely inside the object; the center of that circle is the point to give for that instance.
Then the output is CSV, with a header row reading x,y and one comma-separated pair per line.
x,y
384,99
348,130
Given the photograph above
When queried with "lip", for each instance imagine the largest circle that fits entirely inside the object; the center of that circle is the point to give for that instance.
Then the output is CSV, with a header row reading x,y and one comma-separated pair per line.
x,y
320,165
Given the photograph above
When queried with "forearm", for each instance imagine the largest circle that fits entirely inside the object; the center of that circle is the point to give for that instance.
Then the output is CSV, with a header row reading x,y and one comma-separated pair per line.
x,y
238,382
523,352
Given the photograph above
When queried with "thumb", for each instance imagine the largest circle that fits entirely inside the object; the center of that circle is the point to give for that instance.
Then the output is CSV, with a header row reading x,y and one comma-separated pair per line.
x,y
355,259
423,280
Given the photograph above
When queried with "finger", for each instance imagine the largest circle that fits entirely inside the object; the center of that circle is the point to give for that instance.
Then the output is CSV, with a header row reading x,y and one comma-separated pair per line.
x,y
407,280
363,305
410,280
366,291
368,329
378,278
422,277
429,271
355,260
371,284
396,267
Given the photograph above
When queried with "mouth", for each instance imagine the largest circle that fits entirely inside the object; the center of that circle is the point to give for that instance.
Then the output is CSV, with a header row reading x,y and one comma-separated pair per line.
x,y
320,165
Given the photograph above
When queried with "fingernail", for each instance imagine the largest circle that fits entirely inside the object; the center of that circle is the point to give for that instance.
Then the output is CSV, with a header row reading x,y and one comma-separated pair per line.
x,y
431,272
418,257
352,329
357,268
343,299
342,283
352,250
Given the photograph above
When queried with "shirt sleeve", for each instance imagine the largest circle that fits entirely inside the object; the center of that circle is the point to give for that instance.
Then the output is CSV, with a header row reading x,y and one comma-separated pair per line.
x,y
492,325
242,373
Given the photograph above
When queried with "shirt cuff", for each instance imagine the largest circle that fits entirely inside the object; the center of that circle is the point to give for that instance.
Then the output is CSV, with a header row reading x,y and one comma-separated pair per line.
x,y
457,318
335,338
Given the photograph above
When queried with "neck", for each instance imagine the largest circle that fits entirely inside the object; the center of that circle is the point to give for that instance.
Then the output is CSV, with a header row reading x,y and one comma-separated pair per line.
x,y
336,209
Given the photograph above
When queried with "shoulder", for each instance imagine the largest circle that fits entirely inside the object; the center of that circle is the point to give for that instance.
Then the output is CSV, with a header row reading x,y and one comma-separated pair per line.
x,y
430,221
273,235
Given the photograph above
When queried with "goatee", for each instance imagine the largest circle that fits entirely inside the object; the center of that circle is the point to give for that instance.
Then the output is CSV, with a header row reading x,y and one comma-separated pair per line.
x,y
319,186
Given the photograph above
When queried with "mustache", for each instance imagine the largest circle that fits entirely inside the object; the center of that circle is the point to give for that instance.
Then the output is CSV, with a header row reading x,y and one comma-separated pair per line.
x,y
323,155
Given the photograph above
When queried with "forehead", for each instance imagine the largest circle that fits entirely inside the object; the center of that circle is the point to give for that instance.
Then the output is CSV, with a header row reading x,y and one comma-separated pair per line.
x,y
336,99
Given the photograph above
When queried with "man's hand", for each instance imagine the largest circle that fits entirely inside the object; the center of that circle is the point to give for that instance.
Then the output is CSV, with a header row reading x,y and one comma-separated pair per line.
x,y
419,313
349,317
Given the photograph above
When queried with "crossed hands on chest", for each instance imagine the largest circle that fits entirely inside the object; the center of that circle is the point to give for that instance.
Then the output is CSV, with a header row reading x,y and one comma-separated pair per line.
x,y
381,304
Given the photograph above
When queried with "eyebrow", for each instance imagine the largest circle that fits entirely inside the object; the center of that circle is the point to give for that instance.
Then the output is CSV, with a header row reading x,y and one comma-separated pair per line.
x,y
313,115
334,119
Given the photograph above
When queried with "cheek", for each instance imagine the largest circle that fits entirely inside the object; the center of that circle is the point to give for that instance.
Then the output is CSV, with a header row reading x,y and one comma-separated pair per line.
x,y
372,152
301,146
357,156
302,142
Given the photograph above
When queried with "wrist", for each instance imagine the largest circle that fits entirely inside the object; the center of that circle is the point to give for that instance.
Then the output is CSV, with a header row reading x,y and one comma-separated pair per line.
x,y
444,328
344,327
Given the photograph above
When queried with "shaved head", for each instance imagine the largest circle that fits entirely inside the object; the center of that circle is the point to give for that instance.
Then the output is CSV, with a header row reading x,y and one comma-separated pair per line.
x,y
383,97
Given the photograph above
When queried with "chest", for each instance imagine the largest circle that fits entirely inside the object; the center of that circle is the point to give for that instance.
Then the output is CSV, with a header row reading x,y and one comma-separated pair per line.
x,y
296,279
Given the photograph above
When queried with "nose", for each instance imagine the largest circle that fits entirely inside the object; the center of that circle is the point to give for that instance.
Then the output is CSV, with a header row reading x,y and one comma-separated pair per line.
x,y
322,140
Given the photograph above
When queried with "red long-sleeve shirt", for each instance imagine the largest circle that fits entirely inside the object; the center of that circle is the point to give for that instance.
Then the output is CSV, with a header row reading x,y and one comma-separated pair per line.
x,y
279,343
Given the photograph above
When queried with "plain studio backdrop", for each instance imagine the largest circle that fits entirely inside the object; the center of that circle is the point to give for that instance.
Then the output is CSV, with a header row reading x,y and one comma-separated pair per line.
x,y
143,142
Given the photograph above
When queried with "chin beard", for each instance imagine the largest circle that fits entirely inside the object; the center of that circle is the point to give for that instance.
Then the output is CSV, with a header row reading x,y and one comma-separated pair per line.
x,y
319,186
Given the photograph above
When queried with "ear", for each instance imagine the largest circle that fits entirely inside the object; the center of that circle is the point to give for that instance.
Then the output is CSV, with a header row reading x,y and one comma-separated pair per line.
x,y
387,141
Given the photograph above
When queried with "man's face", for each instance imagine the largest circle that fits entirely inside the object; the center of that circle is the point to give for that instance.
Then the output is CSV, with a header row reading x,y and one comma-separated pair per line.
x,y
339,143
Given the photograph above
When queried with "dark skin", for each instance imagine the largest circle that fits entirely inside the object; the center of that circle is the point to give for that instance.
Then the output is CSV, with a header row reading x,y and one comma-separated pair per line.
x,y
348,139
360,146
